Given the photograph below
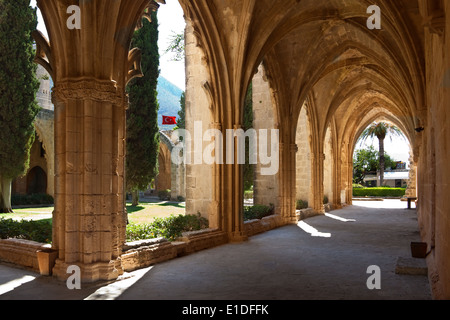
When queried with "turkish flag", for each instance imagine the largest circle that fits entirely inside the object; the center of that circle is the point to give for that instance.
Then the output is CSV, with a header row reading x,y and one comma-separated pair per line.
x,y
169,120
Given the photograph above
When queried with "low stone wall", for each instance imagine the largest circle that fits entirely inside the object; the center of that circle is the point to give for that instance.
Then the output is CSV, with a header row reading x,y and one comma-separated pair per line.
x,y
200,240
305,214
21,252
309,213
254,227
142,254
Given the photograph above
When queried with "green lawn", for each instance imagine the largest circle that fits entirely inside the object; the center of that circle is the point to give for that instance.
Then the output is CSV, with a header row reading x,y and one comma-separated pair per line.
x,y
145,212
29,214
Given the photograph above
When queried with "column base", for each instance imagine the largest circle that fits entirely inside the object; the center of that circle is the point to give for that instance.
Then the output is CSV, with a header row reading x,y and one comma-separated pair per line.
x,y
89,273
290,220
236,237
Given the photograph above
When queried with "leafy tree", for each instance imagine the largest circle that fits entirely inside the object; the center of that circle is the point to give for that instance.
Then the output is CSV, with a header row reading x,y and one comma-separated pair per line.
x,y
176,46
142,115
366,161
380,130
18,87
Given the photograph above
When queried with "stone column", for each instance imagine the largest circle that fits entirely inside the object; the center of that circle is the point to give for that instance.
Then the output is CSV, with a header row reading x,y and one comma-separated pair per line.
x,y
411,189
303,174
265,187
89,209
317,188
90,63
287,183
337,204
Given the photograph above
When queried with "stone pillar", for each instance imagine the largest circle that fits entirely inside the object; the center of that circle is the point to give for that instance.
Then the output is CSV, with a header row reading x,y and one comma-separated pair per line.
x,y
199,176
230,195
337,180
90,66
89,208
328,167
317,188
349,189
287,184
265,188
303,174
411,189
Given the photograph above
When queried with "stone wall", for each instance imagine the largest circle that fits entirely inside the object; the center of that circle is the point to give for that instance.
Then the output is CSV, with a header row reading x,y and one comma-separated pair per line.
x,y
44,125
433,170
199,177
265,188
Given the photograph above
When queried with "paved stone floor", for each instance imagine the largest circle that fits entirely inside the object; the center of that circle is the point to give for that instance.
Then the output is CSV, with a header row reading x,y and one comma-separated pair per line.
x,y
323,258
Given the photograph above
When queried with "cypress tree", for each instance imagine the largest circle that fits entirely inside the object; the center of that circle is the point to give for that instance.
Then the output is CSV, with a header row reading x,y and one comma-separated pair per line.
x,y
181,122
18,87
142,115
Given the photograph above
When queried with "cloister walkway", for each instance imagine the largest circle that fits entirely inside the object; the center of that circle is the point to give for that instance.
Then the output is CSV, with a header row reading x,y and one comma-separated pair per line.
x,y
323,258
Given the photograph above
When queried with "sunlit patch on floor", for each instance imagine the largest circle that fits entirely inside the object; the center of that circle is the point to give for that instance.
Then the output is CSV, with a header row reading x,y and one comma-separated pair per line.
x,y
312,231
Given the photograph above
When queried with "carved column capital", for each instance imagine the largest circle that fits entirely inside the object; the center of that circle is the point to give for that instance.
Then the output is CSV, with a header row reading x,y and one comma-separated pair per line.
x,y
87,89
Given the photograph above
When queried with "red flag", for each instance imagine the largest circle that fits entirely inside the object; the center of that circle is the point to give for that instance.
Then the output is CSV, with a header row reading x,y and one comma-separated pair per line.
x,y
169,120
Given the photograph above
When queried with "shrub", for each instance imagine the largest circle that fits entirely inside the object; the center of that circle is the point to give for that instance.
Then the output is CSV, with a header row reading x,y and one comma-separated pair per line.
x,y
379,192
39,231
164,195
170,228
27,199
257,212
325,200
248,195
302,204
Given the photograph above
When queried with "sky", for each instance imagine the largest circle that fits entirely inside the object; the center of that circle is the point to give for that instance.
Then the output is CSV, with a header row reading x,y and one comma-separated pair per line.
x,y
170,19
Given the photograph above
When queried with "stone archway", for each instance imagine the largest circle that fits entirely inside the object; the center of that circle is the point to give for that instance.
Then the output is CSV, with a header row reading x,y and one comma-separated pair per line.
x,y
321,49
89,98
37,181
163,180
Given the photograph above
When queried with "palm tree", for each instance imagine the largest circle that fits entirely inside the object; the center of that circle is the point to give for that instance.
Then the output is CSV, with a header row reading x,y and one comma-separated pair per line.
x,y
380,130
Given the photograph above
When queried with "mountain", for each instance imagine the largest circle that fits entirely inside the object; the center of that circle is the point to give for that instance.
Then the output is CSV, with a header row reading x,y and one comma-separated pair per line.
x,y
169,100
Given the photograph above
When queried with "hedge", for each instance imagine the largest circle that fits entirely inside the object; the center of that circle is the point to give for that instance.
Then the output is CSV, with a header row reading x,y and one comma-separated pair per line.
x,y
31,199
379,192
39,231
170,228
257,212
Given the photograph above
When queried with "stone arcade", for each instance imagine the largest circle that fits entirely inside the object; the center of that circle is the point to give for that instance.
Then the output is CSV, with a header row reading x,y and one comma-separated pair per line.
x,y
320,65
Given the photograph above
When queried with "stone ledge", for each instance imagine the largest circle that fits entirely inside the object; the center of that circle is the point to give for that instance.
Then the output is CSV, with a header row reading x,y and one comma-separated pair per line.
x,y
150,253
142,254
411,266
306,213
201,240
21,252
142,243
254,227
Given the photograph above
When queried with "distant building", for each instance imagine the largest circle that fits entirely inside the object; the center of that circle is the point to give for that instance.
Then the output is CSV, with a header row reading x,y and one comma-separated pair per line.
x,y
39,178
393,178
